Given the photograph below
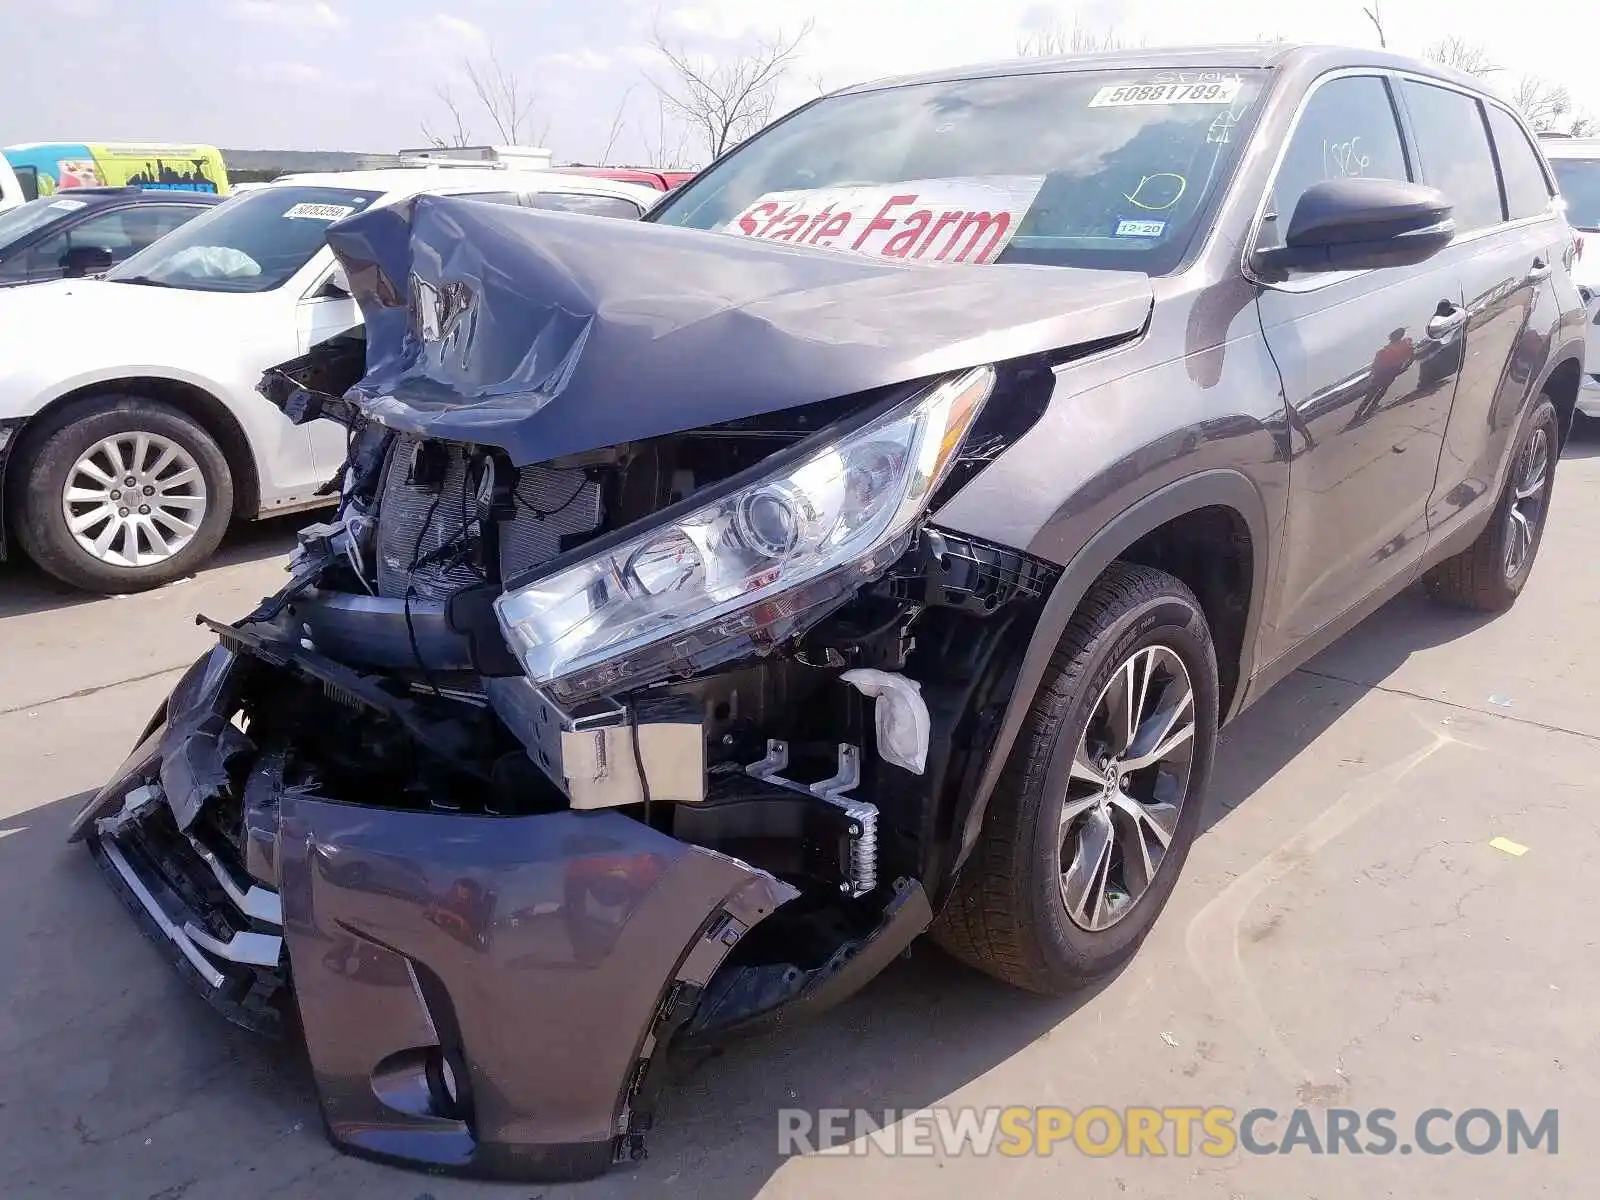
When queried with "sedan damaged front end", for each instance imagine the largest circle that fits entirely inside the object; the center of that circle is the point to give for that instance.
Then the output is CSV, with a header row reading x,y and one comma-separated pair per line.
x,y
632,697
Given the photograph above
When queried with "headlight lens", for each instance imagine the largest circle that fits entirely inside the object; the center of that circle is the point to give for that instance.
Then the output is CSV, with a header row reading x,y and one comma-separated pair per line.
x,y
747,566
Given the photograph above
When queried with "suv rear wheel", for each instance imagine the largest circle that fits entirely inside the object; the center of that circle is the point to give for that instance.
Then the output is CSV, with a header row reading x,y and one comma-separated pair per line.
x,y
1100,800
1490,574
120,494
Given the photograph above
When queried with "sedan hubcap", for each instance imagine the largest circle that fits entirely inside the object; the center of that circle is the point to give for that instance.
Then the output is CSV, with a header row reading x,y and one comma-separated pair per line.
x,y
1126,789
1527,502
134,499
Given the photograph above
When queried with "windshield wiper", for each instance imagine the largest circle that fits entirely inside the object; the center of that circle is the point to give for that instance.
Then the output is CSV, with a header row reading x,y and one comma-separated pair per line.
x,y
141,279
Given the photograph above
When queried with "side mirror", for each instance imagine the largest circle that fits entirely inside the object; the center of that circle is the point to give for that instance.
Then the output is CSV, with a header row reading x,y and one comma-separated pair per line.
x,y
336,286
1360,224
86,260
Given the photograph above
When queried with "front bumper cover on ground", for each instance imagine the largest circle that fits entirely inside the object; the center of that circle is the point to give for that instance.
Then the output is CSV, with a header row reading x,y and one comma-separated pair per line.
x,y
478,994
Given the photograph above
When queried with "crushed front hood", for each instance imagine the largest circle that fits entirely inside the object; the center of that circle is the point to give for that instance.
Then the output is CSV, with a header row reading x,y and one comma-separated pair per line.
x,y
547,334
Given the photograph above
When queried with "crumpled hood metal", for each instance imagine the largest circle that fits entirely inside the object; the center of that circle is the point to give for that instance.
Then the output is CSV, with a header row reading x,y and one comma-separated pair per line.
x,y
546,334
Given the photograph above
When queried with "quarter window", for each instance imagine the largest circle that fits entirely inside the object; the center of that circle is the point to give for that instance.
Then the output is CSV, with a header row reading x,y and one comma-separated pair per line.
x,y
1347,128
1527,189
1454,149
510,198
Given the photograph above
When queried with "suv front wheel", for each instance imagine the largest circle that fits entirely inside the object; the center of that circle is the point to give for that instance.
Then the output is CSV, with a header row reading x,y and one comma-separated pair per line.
x,y
1101,796
120,494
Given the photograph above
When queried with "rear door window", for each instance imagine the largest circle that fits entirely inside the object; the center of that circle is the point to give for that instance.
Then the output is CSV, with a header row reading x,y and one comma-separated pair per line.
x,y
1453,147
1348,128
1527,188
580,202
1579,179
103,231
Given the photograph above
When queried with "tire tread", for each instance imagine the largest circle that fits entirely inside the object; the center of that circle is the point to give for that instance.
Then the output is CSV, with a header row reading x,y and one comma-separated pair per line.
x,y
985,922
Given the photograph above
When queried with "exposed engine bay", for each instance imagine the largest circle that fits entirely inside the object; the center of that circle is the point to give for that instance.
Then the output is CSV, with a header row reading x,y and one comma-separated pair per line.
x,y
701,712
813,743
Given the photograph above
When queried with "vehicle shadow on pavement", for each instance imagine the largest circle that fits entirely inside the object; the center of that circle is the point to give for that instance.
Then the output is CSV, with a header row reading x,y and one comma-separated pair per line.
x,y
24,588
177,1073
1290,718
929,1026
1584,441
115,1069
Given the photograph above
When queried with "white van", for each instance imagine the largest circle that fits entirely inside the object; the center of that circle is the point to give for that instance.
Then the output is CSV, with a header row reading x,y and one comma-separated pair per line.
x,y
10,187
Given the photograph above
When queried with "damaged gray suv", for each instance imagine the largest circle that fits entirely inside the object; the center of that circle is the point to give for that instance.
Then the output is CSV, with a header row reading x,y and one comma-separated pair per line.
x,y
870,542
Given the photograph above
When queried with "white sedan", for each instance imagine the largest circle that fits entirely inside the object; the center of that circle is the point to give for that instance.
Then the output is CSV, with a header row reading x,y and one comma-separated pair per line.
x,y
131,432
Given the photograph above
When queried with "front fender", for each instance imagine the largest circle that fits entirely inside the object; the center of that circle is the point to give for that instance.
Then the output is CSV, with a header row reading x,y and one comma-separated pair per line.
x,y
1221,488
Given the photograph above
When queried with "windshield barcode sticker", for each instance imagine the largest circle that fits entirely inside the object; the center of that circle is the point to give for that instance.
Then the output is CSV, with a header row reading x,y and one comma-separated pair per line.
x,y
318,212
1114,95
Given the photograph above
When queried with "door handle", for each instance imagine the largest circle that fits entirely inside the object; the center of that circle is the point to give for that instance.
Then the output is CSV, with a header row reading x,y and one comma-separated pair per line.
x,y
1441,325
1539,271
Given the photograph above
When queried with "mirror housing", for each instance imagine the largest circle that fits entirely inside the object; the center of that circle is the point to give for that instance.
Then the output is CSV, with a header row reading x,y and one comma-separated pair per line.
x,y
80,261
337,285
1359,224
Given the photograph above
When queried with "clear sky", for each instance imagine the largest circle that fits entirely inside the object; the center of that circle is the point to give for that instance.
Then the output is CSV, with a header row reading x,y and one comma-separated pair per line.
x,y
363,74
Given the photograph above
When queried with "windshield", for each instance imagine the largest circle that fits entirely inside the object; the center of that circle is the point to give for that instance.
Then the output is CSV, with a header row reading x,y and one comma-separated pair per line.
x,y
33,216
1106,169
251,243
1579,180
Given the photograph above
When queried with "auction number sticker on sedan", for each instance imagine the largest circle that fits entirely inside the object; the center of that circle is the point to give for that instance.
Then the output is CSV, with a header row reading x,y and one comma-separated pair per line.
x,y
919,220
1222,91
318,212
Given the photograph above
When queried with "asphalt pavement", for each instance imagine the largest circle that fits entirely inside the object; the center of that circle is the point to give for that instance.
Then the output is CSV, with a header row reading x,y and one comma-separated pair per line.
x,y
1348,934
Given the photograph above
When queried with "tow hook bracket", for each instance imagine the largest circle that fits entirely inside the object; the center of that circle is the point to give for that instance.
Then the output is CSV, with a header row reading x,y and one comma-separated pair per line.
x,y
862,874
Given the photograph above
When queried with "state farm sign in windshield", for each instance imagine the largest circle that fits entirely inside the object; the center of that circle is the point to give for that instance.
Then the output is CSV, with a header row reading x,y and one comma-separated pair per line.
x,y
918,220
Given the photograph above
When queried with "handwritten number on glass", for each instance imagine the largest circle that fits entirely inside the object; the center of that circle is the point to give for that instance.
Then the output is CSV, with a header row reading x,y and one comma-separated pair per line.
x,y
1343,159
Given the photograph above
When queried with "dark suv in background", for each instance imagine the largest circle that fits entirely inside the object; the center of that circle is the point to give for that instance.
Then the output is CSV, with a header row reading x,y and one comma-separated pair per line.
x,y
719,601
88,230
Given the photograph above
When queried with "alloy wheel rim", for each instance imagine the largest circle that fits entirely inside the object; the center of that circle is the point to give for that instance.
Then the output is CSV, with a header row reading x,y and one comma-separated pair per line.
x,y
1526,509
1126,788
134,499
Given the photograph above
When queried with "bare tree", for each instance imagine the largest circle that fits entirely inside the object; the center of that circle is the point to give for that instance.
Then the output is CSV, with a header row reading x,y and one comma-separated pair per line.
x,y
456,132
1077,38
509,101
1376,17
1543,103
1583,125
616,126
722,101
1470,57
506,99
666,145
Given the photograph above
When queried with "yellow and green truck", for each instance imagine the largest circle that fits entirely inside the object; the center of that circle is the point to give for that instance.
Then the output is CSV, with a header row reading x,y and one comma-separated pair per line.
x,y
34,169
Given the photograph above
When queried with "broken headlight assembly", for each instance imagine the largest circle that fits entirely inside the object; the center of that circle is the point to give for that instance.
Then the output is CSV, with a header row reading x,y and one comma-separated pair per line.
x,y
748,568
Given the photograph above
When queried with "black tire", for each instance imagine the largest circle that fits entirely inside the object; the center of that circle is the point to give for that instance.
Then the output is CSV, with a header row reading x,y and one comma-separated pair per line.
x,y
1478,578
1007,915
38,478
